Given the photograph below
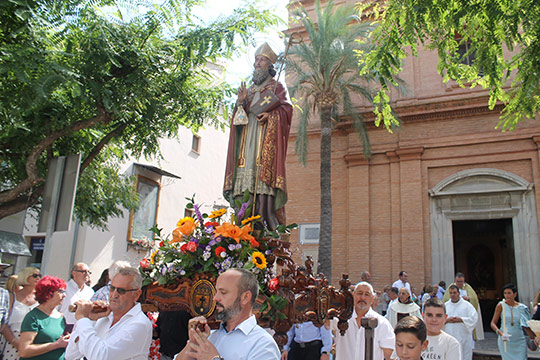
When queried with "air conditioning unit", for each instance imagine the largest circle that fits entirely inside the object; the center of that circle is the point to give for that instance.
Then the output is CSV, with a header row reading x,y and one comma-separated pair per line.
x,y
309,233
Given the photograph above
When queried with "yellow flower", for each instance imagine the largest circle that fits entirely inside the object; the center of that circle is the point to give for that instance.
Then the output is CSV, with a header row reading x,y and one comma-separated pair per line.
x,y
153,256
250,219
217,213
186,225
259,259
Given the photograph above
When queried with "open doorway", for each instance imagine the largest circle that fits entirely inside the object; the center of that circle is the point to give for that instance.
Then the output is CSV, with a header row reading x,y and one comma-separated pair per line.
x,y
484,252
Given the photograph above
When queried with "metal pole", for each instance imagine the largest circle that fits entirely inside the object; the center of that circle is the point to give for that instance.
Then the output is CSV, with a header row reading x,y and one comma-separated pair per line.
x,y
51,220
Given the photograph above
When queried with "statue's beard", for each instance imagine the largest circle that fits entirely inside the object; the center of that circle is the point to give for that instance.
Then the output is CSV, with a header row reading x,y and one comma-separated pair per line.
x,y
259,76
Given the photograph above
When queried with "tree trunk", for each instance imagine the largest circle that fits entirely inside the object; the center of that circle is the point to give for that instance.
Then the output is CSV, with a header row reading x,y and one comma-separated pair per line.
x,y
325,237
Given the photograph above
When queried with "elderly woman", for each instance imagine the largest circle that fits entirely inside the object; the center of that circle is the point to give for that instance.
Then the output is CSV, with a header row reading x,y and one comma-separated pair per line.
x,y
24,301
42,330
402,308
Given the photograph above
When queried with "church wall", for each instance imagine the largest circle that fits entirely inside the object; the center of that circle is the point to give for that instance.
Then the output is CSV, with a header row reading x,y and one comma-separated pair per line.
x,y
444,129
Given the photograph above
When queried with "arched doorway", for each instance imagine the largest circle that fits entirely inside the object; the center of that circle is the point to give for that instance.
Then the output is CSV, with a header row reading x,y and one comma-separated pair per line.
x,y
484,252
490,199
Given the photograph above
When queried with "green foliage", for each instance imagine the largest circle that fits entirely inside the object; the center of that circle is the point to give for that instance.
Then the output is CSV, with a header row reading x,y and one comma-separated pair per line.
x,y
328,73
489,26
76,77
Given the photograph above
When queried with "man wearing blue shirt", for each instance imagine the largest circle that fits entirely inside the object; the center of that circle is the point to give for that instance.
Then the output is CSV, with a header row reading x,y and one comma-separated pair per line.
x,y
238,337
307,342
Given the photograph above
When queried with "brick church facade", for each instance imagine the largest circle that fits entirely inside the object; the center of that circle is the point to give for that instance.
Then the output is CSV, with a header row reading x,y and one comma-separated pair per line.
x,y
445,192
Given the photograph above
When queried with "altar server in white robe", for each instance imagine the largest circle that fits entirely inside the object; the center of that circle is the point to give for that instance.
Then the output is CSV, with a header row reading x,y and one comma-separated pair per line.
x,y
461,321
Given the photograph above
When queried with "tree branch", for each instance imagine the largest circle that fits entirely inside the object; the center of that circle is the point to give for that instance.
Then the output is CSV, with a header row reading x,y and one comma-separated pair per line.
x,y
22,202
95,151
31,162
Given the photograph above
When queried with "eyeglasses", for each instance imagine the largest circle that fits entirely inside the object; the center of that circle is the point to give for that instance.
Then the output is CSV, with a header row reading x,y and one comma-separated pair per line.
x,y
84,271
36,276
120,291
61,291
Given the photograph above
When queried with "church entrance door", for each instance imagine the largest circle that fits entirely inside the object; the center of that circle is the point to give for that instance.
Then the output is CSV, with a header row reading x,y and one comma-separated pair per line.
x,y
484,252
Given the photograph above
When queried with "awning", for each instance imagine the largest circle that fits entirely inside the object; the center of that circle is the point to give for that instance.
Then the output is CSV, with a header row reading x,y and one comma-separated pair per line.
x,y
13,243
157,170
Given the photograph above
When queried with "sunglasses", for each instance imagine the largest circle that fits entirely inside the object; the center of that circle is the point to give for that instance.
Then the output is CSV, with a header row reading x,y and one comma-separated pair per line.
x,y
84,271
36,276
120,291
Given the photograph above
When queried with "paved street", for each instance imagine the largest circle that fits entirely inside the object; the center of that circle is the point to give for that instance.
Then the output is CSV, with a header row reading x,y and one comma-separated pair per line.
x,y
488,346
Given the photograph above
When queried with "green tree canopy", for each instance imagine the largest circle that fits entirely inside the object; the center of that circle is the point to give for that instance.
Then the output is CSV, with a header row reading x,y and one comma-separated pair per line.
x,y
487,26
78,77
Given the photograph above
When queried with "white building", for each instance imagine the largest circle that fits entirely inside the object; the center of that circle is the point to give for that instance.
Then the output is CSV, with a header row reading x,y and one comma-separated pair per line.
x,y
192,164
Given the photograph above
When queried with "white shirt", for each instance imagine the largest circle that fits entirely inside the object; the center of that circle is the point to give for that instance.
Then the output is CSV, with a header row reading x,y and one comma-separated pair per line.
x,y
351,346
462,331
73,294
442,347
128,339
248,341
399,284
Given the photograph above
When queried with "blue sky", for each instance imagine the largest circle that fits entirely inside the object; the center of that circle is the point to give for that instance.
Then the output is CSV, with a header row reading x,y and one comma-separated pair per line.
x,y
242,65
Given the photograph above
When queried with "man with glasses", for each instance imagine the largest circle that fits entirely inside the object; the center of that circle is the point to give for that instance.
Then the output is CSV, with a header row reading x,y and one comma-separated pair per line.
x,y
76,290
122,332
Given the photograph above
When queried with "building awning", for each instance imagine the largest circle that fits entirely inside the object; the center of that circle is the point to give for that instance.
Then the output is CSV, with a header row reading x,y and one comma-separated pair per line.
x,y
157,170
13,243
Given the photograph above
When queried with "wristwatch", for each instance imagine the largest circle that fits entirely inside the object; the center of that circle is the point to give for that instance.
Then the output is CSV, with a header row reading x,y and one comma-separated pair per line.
x,y
217,357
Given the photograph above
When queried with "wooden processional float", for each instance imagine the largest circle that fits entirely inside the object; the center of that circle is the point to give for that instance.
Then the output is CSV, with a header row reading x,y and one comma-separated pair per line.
x,y
308,297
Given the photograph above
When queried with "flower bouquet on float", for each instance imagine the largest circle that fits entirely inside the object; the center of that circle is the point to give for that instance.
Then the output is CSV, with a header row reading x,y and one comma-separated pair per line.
x,y
181,272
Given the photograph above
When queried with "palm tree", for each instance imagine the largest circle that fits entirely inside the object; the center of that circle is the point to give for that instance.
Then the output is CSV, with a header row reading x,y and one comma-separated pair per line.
x,y
328,73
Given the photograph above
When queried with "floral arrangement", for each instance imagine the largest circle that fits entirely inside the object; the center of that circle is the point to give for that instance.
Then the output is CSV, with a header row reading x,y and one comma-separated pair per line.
x,y
209,243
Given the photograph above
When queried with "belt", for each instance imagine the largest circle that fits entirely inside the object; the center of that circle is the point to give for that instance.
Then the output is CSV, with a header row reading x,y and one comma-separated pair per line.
x,y
309,344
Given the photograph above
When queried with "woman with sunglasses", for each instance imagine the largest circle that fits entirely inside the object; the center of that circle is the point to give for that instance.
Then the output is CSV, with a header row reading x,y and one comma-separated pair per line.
x,y
42,330
23,302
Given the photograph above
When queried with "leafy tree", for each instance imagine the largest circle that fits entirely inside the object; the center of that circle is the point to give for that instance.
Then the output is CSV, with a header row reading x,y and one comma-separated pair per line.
x,y
487,26
78,77
327,76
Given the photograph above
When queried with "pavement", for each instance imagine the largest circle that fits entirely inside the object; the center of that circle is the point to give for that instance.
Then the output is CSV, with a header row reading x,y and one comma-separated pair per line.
x,y
488,347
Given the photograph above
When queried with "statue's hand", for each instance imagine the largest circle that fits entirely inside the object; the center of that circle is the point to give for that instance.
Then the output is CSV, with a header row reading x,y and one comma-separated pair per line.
x,y
262,118
242,93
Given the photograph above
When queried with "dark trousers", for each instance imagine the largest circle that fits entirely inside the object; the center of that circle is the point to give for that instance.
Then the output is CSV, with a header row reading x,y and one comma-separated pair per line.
x,y
305,351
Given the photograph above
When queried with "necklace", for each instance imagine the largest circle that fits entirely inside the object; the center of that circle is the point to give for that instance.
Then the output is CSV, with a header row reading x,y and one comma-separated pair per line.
x,y
511,315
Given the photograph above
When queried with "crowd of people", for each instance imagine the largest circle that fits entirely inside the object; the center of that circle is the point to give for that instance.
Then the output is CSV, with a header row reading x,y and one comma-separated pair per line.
x,y
47,318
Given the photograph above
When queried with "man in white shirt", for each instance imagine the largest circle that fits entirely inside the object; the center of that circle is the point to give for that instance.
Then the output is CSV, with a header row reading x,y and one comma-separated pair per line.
x,y
352,344
104,292
76,289
238,337
461,321
403,281
123,332
441,346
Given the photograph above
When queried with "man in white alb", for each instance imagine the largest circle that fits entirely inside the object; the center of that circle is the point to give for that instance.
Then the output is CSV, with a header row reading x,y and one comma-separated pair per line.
x,y
123,332
461,321
352,344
